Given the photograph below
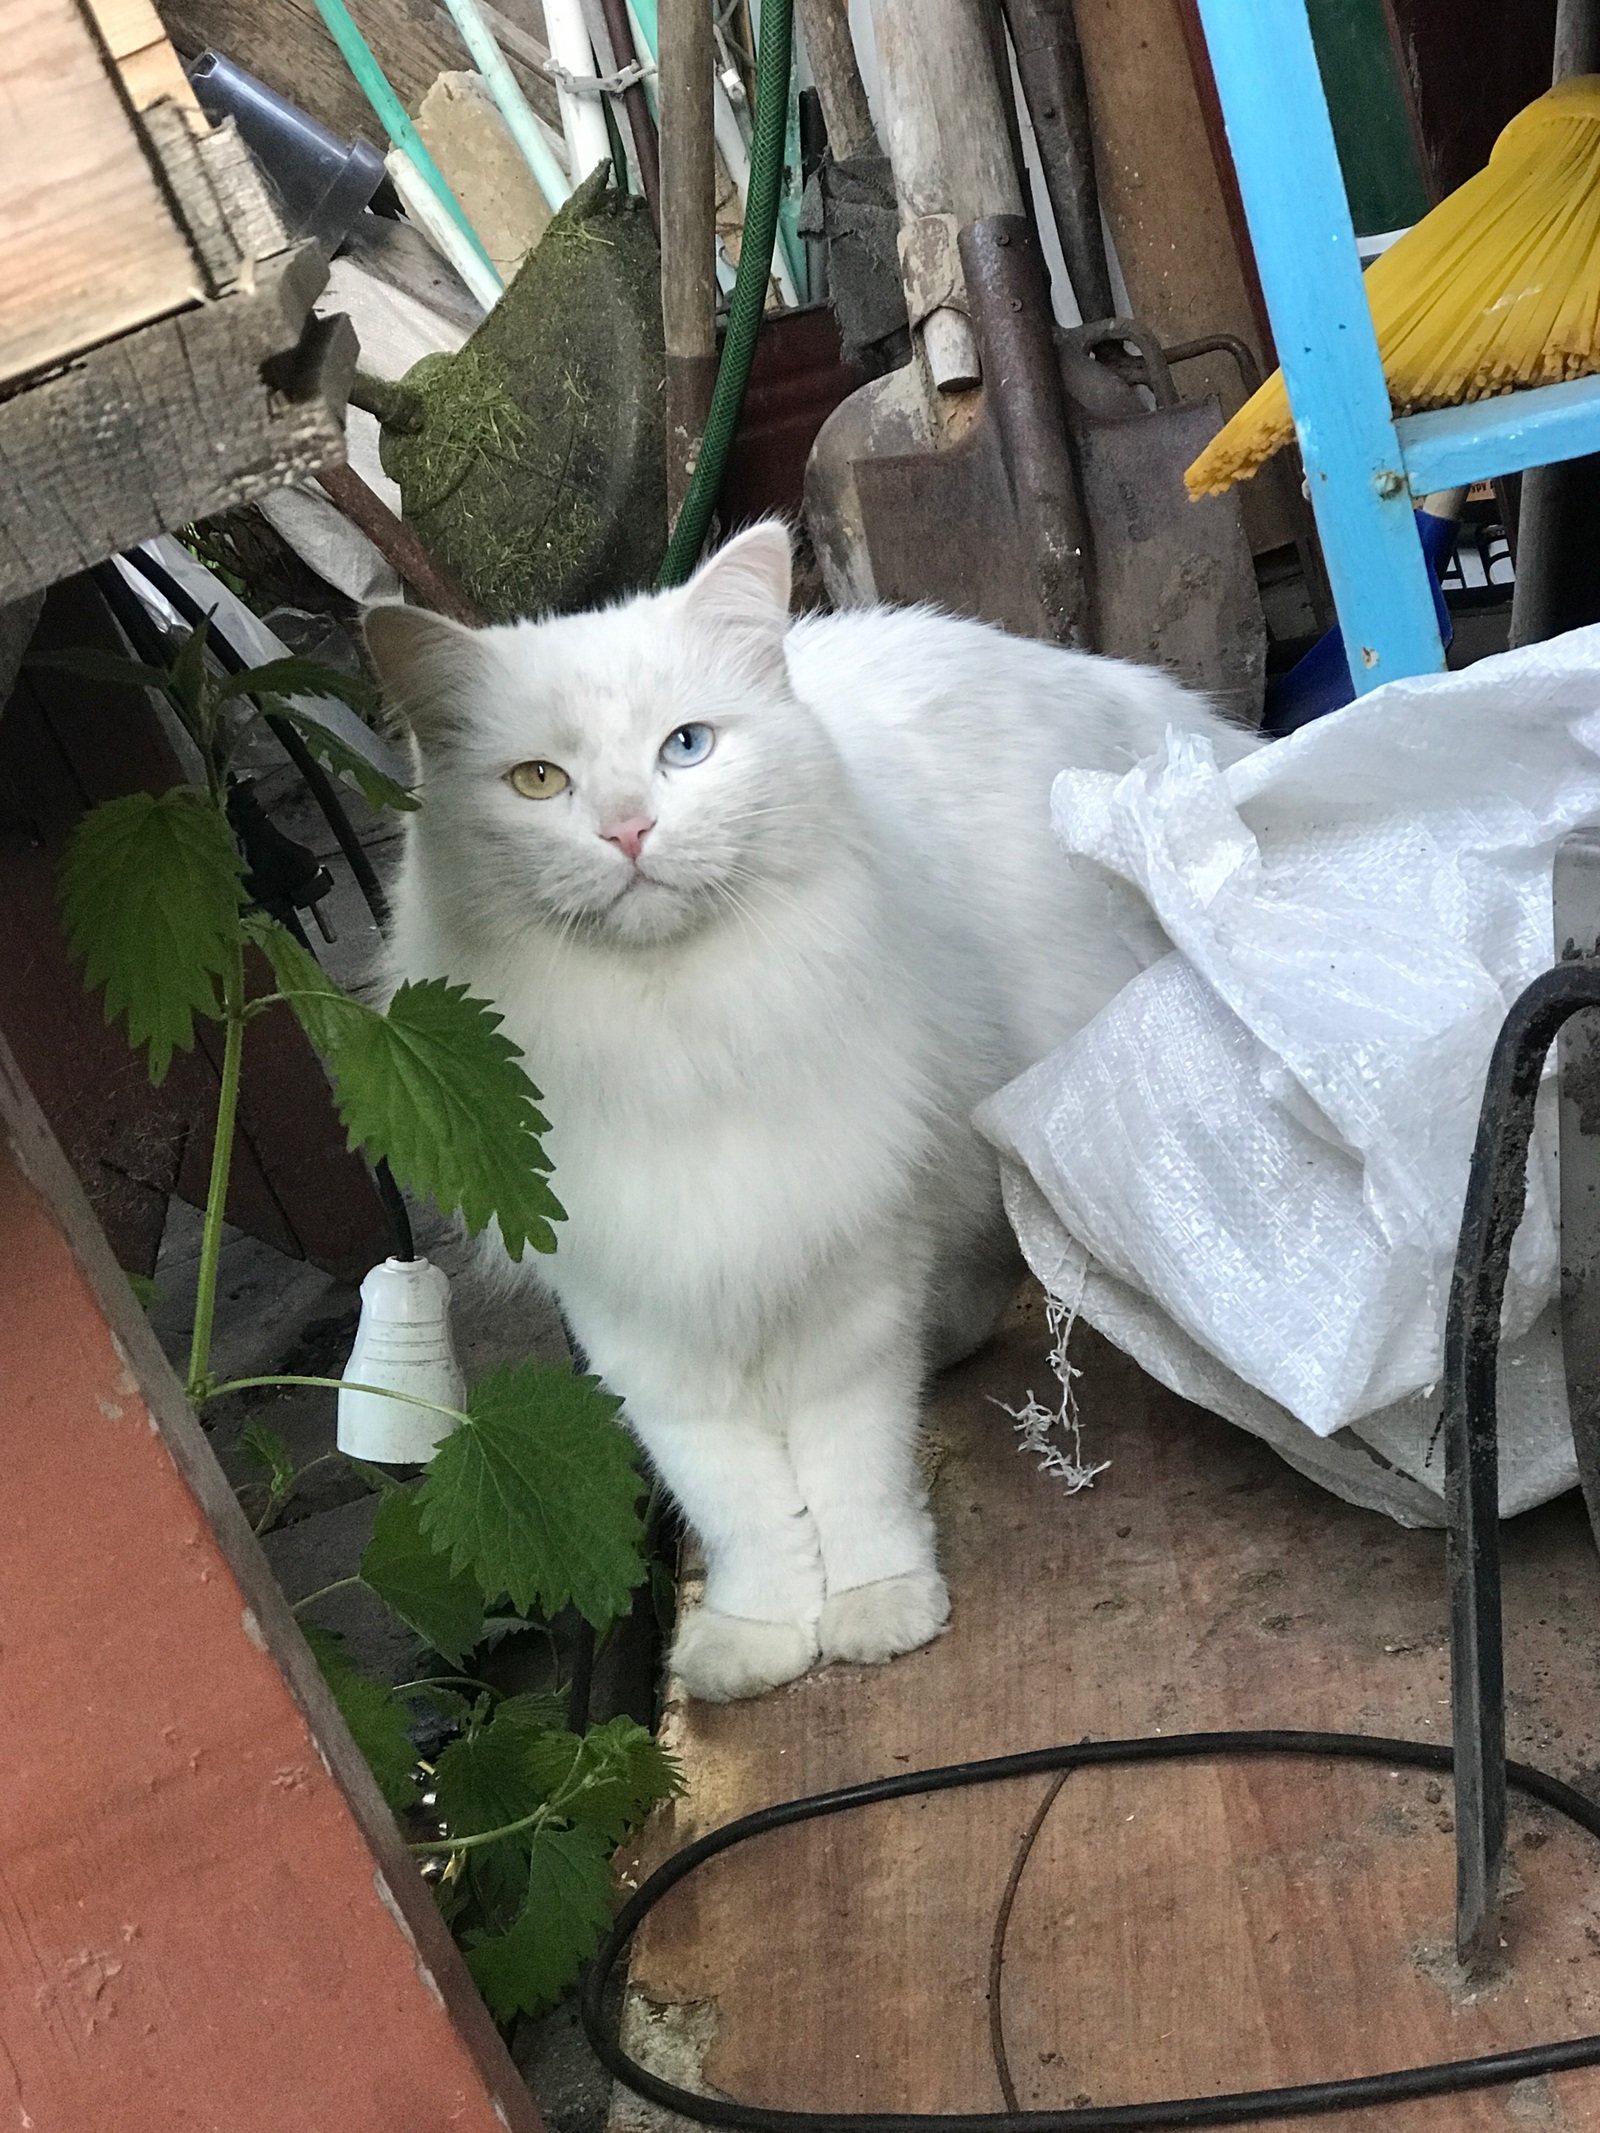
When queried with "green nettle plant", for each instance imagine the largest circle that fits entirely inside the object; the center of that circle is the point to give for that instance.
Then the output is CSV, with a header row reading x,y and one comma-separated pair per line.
x,y
531,1504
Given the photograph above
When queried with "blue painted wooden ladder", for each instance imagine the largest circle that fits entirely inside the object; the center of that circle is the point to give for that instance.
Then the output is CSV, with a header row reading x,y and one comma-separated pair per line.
x,y
1363,467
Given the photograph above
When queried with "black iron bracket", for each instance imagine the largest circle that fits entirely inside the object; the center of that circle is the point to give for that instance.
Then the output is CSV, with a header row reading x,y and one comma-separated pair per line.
x,y
1496,1190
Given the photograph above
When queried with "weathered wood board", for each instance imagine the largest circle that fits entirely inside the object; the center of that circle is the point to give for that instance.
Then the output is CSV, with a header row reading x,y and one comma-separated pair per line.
x,y
208,1918
150,69
91,249
1180,1930
188,417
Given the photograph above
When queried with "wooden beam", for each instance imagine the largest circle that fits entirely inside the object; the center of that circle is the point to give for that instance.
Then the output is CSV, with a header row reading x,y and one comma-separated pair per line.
x,y
211,1916
91,247
150,68
187,417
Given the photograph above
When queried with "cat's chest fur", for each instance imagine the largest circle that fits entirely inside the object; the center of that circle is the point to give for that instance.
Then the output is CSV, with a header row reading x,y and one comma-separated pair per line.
x,y
722,1111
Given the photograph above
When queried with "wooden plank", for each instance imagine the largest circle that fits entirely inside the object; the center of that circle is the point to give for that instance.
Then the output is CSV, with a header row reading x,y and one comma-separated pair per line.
x,y
1179,1930
149,67
1451,446
207,1914
90,247
171,424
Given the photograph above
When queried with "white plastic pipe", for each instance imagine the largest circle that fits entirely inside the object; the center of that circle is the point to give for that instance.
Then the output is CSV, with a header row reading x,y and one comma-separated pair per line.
x,y
418,200
582,119
731,147
515,109
403,1344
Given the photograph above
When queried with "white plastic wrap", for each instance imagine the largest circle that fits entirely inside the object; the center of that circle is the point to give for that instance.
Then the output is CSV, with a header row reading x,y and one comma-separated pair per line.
x,y
1252,1162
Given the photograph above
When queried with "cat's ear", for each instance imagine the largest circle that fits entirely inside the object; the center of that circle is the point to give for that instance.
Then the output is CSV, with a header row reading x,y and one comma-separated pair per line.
x,y
430,667
743,590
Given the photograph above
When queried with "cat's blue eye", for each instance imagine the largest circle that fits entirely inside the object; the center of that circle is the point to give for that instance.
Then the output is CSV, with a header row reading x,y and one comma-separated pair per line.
x,y
689,745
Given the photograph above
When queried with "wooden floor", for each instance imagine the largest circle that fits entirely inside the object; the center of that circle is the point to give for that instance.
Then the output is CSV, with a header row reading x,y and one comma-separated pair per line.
x,y
1179,1930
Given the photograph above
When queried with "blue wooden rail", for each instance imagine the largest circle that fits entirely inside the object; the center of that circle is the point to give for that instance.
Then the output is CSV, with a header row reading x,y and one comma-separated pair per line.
x,y
1363,468
1455,445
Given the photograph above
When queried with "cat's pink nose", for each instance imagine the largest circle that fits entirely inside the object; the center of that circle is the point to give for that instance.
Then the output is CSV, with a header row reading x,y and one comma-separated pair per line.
x,y
629,834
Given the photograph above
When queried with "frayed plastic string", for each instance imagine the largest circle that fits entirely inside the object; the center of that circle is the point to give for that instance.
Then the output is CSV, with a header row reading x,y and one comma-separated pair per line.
x,y
1054,1435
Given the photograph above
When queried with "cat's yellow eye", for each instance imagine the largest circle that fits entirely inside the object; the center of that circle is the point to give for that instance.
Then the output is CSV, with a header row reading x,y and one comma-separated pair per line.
x,y
538,781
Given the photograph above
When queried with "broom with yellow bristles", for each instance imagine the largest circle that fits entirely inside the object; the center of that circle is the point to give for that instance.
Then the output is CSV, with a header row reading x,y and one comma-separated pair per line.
x,y
1499,286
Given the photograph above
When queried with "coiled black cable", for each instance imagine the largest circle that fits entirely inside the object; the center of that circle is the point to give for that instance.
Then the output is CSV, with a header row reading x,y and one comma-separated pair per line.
x,y
1448,2077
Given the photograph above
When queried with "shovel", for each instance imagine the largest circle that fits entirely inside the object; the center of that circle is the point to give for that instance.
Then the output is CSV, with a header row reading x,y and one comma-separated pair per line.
x,y
1051,502
1175,586
922,485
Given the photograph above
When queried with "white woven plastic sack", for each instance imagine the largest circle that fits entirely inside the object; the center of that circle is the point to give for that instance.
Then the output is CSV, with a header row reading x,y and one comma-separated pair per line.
x,y
1248,1170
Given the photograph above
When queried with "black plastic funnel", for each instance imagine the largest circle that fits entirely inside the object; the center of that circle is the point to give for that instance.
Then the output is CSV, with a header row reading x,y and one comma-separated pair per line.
x,y
321,183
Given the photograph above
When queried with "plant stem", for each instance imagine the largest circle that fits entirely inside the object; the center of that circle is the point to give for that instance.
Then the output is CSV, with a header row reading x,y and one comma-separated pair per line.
x,y
444,1681
278,1495
215,1392
535,1821
553,1809
322,1592
205,1301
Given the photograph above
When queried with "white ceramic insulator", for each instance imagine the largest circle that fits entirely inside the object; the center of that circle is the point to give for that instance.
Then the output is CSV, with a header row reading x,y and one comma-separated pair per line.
x,y
403,1344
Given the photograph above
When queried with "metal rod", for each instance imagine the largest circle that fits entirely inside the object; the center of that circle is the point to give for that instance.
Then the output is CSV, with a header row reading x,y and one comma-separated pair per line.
x,y
688,234
1496,1188
637,106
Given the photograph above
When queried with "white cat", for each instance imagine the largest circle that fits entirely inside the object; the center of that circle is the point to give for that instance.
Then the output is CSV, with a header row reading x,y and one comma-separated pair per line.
x,y
769,908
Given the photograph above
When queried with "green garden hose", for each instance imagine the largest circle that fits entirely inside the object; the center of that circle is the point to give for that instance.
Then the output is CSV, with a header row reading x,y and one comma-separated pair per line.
x,y
749,292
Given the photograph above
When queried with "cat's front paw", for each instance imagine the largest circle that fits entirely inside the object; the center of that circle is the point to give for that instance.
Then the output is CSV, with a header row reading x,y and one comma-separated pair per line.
x,y
870,1623
722,1657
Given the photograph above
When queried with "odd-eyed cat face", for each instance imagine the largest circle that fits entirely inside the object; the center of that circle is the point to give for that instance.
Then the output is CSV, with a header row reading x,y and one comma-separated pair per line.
x,y
638,771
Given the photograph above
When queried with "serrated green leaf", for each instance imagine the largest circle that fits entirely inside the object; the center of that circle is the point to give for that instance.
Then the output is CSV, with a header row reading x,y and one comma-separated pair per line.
x,y
324,1010
535,1711
298,677
377,1722
608,1780
344,761
109,667
449,1703
436,1089
188,687
568,1908
410,1575
265,1449
147,1293
150,890
481,1783
538,1493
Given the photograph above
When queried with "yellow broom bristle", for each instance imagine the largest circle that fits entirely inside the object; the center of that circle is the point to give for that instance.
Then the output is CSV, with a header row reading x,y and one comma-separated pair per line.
x,y
1498,287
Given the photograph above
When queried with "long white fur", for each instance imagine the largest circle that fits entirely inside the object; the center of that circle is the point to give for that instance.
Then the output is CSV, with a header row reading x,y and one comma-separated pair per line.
x,y
760,1045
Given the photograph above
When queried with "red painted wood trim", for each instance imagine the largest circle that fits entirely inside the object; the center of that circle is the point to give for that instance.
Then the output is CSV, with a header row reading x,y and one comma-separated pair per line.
x,y
207,1916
